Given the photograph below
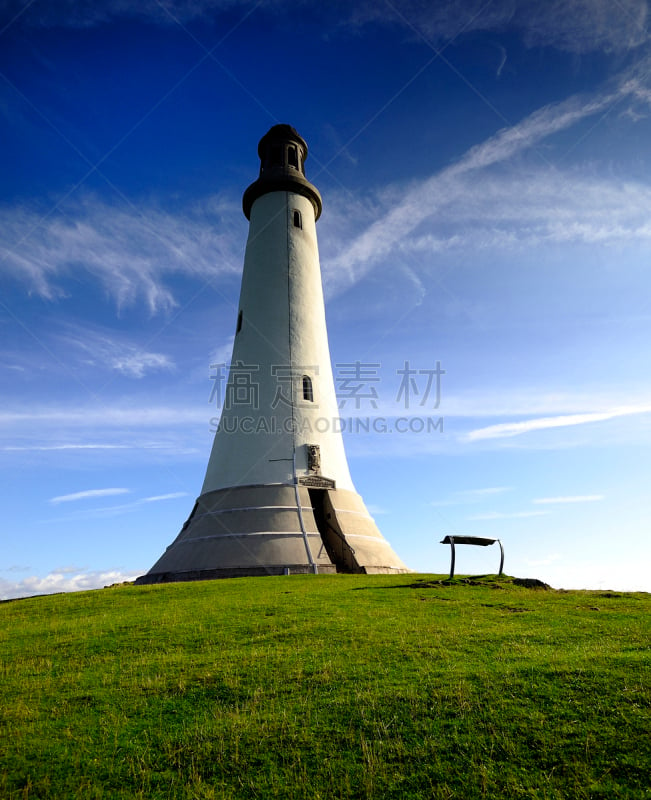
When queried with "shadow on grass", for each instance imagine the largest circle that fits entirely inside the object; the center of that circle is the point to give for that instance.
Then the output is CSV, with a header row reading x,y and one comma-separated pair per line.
x,y
490,581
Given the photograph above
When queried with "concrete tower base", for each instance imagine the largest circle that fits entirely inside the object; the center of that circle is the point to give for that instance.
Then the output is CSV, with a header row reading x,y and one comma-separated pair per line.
x,y
262,530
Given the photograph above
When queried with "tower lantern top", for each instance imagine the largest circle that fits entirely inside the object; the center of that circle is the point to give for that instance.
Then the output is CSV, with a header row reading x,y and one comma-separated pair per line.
x,y
282,153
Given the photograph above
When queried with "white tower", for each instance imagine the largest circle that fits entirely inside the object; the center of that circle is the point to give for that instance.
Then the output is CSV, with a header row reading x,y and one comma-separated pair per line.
x,y
277,497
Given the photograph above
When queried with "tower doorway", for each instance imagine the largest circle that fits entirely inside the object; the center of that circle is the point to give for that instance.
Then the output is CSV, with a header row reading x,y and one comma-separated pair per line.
x,y
339,551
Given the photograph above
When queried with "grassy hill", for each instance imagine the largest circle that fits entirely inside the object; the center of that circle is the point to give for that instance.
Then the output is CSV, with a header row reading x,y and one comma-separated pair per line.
x,y
327,687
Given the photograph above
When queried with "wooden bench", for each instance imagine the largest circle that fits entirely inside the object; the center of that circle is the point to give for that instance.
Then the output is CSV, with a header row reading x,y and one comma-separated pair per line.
x,y
482,541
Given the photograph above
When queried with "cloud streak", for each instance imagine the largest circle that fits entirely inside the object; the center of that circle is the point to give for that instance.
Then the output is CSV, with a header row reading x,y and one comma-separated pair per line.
x,y
131,250
579,498
538,207
576,26
124,508
88,494
508,429
450,187
109,417
100,348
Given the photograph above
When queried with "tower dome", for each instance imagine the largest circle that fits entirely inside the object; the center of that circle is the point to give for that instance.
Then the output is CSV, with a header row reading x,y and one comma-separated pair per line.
x,y
282,153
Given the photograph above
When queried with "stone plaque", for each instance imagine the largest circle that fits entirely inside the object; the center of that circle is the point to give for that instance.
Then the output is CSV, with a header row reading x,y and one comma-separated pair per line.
x,y
316,482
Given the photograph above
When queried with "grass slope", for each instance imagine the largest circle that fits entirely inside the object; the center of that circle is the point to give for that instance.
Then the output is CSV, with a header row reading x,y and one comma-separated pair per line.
x,y
326,687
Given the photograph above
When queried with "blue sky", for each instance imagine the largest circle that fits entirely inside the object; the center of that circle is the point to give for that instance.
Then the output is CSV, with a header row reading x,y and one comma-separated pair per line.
x,y
485,169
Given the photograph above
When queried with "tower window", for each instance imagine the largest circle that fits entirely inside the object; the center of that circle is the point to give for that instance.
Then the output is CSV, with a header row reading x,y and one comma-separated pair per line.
x,y
276,155
298,222
239,322
308,393
292,156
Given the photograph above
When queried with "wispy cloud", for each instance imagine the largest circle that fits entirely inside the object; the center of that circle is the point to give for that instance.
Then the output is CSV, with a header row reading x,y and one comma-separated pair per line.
x,y
100,348
87,13
509,429
576,26
479,494
87,494
130,250
69,446
578,498
158,497
534,207
122,508
137,364
130,431
109,417
453,190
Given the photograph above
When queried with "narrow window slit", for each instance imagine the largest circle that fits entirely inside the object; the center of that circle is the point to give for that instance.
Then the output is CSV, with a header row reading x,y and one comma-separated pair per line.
x,y
298,222
239,322
308,393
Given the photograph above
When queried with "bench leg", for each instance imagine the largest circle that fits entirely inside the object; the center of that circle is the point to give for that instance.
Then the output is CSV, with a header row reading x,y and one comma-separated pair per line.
x,y
452,558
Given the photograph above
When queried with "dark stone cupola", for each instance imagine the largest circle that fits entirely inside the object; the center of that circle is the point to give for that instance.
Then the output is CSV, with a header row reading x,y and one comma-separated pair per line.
x,y
282,157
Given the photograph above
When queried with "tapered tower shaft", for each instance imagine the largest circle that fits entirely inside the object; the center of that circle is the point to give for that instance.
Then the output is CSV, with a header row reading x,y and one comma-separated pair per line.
x,y
278,496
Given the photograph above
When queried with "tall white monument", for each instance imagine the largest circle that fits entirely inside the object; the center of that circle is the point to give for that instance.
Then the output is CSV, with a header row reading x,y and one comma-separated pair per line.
x,y
278,497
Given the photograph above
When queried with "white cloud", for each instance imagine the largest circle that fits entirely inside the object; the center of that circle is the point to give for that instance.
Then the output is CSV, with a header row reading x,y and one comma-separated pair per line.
x,y
576,26
109,417
134,430
90,431
457,197
535,207
88,13
89,493
63,580
579,498
158,497
527,400
130,250
582,26
54,447
509,429
481,493
137,364
133,252
124,508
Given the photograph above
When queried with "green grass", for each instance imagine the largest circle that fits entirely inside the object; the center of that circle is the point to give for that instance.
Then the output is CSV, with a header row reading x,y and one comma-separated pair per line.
x,y
326,687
